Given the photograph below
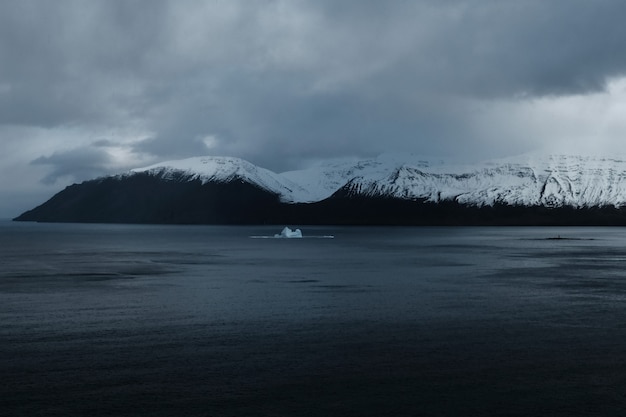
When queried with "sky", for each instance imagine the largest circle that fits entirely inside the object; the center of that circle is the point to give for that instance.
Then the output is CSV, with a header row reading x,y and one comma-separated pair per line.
x,y
92,88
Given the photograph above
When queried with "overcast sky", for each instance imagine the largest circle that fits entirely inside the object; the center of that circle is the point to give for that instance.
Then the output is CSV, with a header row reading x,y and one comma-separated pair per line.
x,y
89,88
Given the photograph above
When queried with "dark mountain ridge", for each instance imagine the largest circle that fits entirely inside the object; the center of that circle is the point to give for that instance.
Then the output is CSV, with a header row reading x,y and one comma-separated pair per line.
x,y
180,198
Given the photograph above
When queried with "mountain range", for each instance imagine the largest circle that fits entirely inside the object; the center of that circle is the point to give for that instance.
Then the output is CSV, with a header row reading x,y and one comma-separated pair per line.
x,y
533,189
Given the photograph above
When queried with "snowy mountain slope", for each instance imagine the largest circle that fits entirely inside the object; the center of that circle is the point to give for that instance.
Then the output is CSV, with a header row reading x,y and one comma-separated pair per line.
x,y
324,180
528,180
227,169
552,181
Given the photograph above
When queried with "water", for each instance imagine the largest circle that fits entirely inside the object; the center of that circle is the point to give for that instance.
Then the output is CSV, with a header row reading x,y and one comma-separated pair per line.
x,y
205,321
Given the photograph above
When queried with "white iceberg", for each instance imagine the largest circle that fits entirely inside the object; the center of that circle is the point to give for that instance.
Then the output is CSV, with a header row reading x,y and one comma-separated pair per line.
x,y
288,233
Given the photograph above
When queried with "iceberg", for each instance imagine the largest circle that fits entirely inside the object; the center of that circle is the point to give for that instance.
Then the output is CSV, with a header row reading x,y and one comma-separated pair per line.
x,y
288,233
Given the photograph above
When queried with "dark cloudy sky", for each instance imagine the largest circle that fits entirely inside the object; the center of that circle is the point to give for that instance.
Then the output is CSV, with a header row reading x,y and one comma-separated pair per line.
x,y
96,87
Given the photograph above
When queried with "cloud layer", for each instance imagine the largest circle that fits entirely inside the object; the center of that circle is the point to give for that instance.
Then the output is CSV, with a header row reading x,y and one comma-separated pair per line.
x,y
90,88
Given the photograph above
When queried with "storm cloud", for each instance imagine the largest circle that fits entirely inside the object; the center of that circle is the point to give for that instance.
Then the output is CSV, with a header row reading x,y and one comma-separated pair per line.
x,y
92,88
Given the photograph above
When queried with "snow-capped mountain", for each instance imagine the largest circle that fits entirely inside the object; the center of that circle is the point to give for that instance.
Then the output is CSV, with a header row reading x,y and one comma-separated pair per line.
x,y
527,180
391,189
530,180
224,170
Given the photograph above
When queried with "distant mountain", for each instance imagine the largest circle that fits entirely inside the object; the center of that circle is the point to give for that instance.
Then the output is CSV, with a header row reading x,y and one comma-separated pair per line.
x,y
390,189
530,180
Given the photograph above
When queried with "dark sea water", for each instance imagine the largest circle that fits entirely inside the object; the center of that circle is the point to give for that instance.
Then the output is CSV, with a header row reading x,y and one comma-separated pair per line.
x,y
128,320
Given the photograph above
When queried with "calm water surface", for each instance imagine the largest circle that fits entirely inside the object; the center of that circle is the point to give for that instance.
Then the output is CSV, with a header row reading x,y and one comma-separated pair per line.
x,y
206,321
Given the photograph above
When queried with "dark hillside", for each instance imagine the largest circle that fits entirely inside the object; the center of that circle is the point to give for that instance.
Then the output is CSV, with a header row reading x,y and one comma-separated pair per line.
x,y
144,198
